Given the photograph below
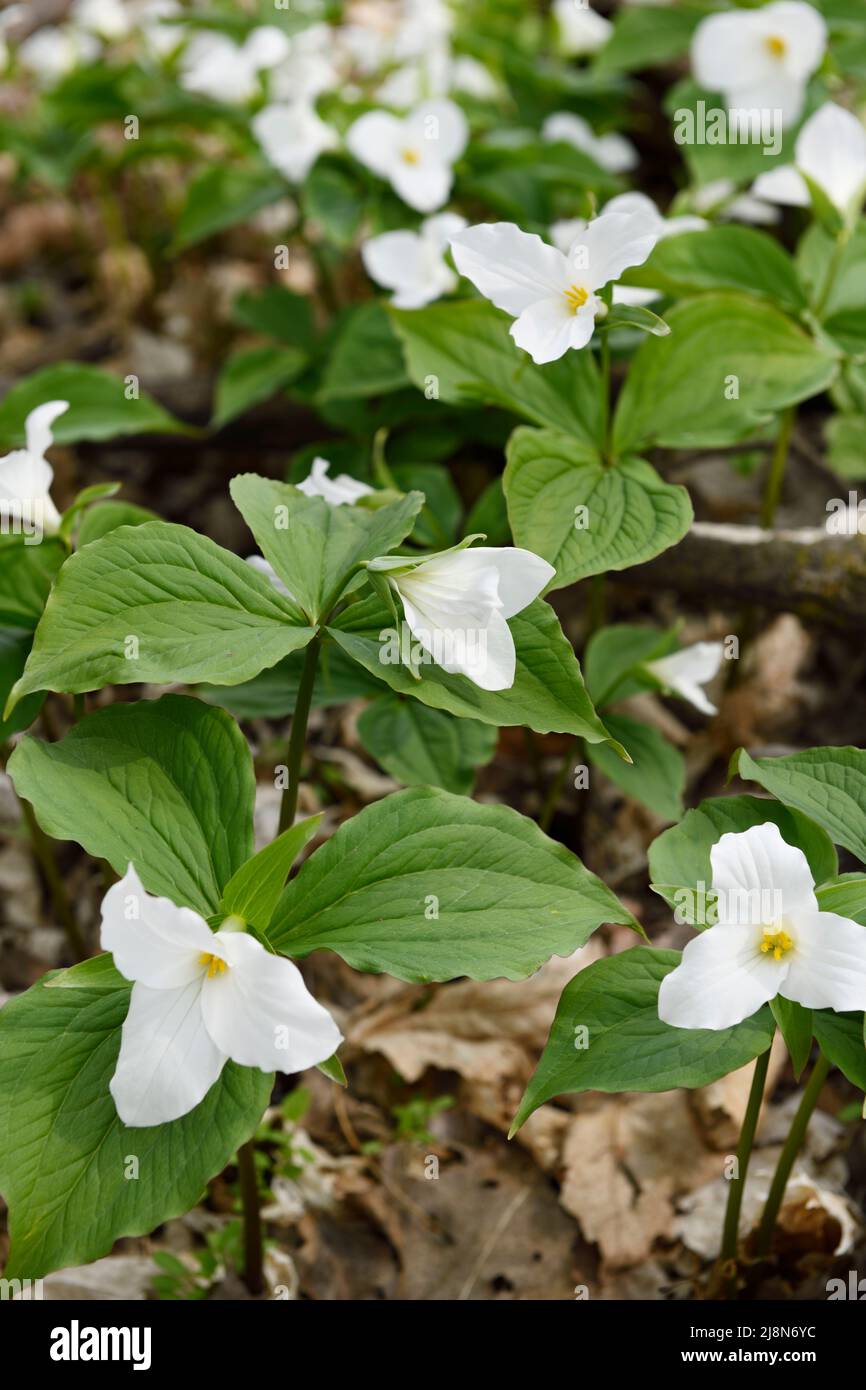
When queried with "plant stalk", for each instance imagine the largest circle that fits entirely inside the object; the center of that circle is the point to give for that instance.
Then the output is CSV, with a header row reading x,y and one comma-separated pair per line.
x,y
730,1233
252,1216
54,879
297,738
776,475
796,1135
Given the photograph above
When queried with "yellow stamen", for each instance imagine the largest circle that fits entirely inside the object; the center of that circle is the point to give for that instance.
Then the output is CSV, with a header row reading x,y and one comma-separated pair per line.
x,y
215,964
776,45
776,942
410,156
575,297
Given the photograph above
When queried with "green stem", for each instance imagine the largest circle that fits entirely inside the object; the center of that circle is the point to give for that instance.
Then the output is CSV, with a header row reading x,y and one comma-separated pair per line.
x,y
252,1216
289,804
796,1135
605,397
776,475
62,906
832,271
730,1234
557,787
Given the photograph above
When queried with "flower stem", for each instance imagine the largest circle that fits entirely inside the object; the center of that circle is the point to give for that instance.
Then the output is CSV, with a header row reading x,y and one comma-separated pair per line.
x,y
796,1135
289,804
253,1249
730,1234
833,267
776,475
557,787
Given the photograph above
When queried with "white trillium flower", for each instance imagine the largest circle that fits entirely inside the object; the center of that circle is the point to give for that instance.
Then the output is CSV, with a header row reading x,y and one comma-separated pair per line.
x,y
412,264
292,137
581,30
199,999
107,18
831,151
51,52
552,297
215,66
760,59
415,153
686,671
771,939
611,152
309,69
340,491
721,199
457,606
26,475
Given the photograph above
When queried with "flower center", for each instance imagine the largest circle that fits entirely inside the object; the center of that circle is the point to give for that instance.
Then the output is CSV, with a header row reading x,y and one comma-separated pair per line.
x,y
777,46
410,156
215,964
776,942
575,297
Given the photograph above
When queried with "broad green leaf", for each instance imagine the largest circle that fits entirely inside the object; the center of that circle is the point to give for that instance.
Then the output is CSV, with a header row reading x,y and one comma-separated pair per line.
x,y
65,1157
840,1038
644,38
252,376
424,747
843,314
222,196
280,314
429,886
614,657
634,316
158,603
753,359
722,258
679,859
312,545
99,407
108,516
656,775
14,651
548,693
845,895
827,784
272,694
463,353
364,359
254,889
625,1046
334,197
70,519
795,1025
583,517
26,575
166,785
845,452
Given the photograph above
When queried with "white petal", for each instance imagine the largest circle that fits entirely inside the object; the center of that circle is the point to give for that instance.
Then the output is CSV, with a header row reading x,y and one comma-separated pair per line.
x,y
687,670
546,330
424,186
263,566
394,259
437,231
581,29
831,149
721,979
776,92
634,295
168,1060
442,125
727,50
566,231
782,185
513,269
261,1013
804,31
374,140
339,491
292,138
613,242
828,963
37,426
160,944
615,154
760,877
266,46
522,574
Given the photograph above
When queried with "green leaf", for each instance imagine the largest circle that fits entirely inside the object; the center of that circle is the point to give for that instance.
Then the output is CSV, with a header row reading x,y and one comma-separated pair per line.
x,y
626,1047
614,657
166,785
253,891
14,651
754,361
679,859
424,747
280,314
583,517
845,895
272,694
464,353
505,897
333,1069
158,603
313,546
334,197
26,575
252,376
98,407
70,518
722,258
221,197
656,775
827,784
646,38
65,1155
108,516
845,452
548,693
364,359
634,316
840,1038
795,1025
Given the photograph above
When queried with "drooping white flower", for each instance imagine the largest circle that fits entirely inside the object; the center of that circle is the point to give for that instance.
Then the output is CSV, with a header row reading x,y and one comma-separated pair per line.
x,y
831,151
340,491
292,137
551,296
412,264
200,998
686,671
457,605
770,939
581,30
215,66
415,153
26,475
611,152
721,199
760,59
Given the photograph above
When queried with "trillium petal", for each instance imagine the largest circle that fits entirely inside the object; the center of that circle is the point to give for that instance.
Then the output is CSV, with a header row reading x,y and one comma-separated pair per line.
x,y
424,186
37,426
774,876
491,664
803,30
374,140
548,328
726,50
686,671
831,149
152,940
776,92
168,1060
442,125
721,979
260,1012
615,241
511,268
522,574
292,138
783,185
439,230
827,963
394,260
